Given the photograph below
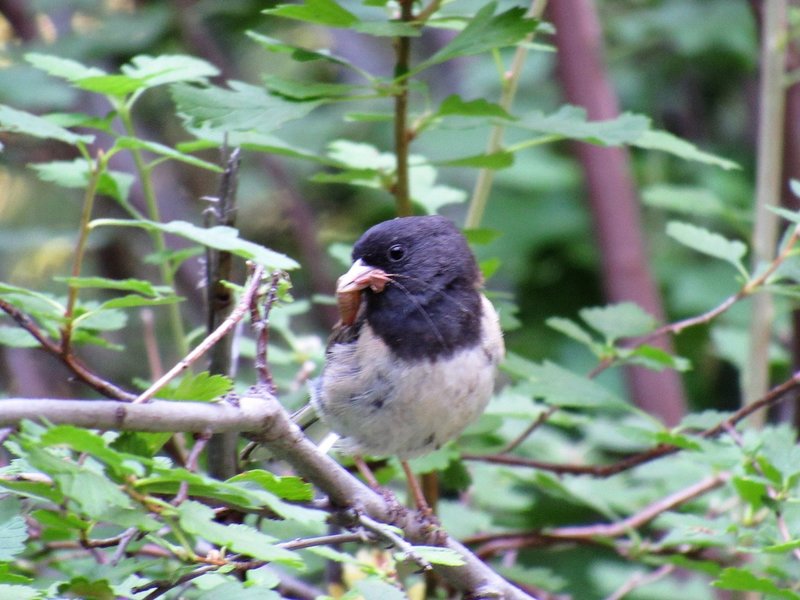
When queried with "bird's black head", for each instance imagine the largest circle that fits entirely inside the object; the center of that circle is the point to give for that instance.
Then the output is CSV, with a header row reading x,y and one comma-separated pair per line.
x,y
423,253
431,305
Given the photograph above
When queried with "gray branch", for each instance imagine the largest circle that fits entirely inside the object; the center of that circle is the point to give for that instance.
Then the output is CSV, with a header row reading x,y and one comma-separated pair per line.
x,y
266,421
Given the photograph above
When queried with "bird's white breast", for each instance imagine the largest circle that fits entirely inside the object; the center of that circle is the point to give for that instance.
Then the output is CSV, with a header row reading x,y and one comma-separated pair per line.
x,y
383,405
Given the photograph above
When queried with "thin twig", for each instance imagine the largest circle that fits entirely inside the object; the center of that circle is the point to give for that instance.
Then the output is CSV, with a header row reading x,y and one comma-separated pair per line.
x,y
640,580
775,395
491,544
537,422
250,290
260,325
483,185
191,465
384,531
106,388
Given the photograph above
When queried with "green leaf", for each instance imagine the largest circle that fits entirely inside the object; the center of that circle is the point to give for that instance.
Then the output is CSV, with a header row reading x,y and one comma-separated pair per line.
x,y
482,236
220,237
18,592
209,138
426,192
296,52
454,105
484,32
743,580
560,387
140,286
654,358
167,152
110,85
198,519
386,29
571,122
83,440
683,199
13,529
135,301
163,69
199,387
242,107
437,555
373,588
65,68
666,142
303,90
496,160
322,12
707,242
15,337
752,491
81,587
76,173
17,121
616,321
571,329
794,186
286,487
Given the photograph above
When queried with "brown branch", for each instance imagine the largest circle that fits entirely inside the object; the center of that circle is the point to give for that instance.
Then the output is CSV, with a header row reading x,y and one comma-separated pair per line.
x,y
250,290
260,325
490,544
775,395
106,388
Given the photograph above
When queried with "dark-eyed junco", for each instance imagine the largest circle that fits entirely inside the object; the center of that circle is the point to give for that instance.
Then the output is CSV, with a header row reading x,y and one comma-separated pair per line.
x,y
412,362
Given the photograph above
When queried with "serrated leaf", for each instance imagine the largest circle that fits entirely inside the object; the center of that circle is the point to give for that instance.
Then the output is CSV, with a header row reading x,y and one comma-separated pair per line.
x,y
426,192
198,519
666,142
743,580
81,587
83,440
18,592
304,90
373,588
752,491
485,31
322,12
296,52
17,121
110,85
707,242
240,107
66,68
683,199
560,387
140,286
495,160
199,387
76,173
437,555
13,529
571,122
454,105
386,29
220,237
654,358
167,152
482,236
571,329
168,68
615,321
209,138
135,301
287,487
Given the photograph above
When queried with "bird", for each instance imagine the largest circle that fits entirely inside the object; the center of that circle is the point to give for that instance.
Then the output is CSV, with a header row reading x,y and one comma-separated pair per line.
x,y
413,359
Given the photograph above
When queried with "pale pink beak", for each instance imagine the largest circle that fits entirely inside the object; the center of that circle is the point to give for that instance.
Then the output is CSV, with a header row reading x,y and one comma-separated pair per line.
x,y
350,285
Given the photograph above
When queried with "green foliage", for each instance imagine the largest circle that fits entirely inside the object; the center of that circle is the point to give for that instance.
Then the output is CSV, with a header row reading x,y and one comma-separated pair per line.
x,y
136,504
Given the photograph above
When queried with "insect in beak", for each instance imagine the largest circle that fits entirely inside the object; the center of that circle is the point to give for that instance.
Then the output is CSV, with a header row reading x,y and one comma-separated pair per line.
x,y
350,285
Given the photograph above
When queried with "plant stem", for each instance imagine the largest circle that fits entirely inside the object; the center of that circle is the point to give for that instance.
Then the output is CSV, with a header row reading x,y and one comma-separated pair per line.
x,y
401,133
768,191
159,242
96,168
483,185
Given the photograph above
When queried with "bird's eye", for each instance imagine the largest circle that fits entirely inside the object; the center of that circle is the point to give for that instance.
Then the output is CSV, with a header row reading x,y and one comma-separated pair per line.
x,y
396,252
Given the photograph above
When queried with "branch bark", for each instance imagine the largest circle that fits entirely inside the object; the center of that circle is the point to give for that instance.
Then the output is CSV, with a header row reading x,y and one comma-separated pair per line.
x,y
267,422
